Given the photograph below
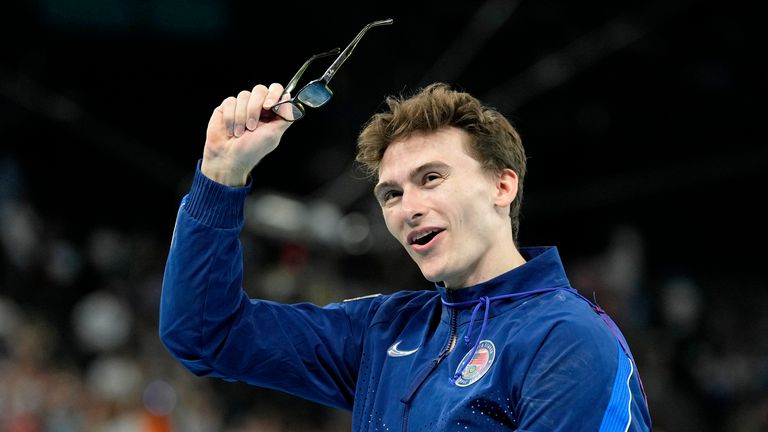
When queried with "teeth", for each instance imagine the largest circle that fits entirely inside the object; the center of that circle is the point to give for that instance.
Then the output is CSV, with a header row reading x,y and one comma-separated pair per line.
x,y
425,234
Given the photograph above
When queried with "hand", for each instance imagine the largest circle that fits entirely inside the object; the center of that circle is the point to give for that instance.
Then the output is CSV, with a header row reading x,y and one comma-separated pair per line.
x,y
241,132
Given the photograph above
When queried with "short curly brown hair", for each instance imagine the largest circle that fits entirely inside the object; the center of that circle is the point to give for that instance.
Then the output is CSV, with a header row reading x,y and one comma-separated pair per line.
x,y
495,143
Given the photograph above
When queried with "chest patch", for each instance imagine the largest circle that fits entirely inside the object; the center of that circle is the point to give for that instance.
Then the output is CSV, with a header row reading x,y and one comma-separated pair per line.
x,y
480,364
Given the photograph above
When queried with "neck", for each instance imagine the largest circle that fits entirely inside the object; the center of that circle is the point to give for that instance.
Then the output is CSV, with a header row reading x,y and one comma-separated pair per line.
x,y
510,260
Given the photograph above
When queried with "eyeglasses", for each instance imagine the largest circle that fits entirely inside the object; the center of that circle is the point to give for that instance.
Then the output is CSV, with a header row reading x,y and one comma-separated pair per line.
x,y
317,93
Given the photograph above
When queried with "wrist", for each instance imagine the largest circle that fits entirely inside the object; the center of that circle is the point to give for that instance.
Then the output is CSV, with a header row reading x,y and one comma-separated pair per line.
x,y
225,176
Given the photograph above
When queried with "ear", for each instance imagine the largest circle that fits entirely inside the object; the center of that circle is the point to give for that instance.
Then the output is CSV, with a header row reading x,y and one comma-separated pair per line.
x,y
506,188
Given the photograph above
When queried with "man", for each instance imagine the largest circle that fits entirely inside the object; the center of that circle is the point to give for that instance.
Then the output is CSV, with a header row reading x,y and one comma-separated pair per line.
x,y
502,343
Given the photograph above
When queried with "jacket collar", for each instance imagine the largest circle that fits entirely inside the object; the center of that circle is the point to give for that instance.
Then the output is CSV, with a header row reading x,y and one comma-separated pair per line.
x,y
542,269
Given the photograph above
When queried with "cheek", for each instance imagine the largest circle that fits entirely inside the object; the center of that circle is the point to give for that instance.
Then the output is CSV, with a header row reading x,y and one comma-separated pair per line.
x,y
389,221
473,214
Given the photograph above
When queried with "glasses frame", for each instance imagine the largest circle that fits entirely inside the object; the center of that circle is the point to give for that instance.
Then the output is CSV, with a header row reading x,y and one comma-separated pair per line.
x,y
298,103
292,83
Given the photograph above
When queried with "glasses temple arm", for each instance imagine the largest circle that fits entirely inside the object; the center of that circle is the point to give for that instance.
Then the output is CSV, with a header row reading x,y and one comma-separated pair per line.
x,y
332,69
292,83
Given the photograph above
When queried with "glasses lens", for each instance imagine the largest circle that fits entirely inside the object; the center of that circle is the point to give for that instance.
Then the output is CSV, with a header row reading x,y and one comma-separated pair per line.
x,y
288,110
315,94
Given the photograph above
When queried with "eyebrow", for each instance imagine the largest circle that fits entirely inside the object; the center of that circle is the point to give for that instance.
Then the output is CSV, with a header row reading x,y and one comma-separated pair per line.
x,y
429,166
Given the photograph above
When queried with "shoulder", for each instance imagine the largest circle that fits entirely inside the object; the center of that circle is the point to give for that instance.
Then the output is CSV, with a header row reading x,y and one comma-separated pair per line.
x,y
387,307
396,298
365,297
565,317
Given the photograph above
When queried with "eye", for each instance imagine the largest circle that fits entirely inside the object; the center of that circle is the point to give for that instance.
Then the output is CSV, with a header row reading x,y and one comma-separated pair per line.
x,y
431,178
389,195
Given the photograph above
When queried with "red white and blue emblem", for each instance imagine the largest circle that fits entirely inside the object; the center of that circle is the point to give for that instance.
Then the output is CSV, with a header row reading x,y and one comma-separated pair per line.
x,y
480,364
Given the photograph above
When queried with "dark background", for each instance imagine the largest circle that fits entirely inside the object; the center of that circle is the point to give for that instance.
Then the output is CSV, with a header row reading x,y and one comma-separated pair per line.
x,y
639,116
645,112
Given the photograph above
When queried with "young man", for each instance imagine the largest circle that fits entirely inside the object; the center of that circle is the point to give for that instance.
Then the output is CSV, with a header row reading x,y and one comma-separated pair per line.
x,y
502,343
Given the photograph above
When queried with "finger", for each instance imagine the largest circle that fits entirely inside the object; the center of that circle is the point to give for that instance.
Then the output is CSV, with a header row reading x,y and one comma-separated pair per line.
x,y
255,103
241,111
228,114
275,92
274,95
285,110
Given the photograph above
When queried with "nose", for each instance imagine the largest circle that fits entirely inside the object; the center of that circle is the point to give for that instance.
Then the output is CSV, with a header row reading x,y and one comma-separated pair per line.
x,y
413,206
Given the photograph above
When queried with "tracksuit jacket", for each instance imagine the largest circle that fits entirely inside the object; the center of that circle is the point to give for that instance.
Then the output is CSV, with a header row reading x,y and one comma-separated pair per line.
x,y
523,351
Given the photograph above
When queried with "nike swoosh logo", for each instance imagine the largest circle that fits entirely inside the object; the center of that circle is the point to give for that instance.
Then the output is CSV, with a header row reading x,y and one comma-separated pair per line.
x,y
394,352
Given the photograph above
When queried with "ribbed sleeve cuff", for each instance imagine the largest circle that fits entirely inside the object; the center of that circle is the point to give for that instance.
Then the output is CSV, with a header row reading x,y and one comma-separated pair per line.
x,y
215,204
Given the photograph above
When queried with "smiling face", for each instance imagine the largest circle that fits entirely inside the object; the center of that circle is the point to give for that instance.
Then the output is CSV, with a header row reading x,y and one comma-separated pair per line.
x,y
450,215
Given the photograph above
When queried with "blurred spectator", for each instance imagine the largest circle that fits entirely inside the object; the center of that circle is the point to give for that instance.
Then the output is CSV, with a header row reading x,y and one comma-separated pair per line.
x,y
79,349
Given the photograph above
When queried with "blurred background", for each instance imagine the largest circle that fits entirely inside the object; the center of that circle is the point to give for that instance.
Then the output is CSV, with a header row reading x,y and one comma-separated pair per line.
x,y
647,164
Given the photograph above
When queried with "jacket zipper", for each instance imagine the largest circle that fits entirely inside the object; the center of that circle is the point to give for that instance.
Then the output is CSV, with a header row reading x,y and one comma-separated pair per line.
x,y
452,340
428,370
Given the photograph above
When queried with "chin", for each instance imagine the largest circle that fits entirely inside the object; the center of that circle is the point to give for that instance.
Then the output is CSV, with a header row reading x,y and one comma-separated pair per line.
x,y
437,269
433,275
433,279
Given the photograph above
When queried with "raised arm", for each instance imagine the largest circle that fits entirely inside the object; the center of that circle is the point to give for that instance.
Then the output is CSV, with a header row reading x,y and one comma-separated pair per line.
x,y
206,319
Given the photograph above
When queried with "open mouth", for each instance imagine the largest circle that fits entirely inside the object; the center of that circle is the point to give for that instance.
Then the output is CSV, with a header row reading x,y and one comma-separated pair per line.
x,y
426,237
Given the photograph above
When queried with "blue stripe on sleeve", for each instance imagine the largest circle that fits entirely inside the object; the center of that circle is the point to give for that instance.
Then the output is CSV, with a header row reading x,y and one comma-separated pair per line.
x,y
617,415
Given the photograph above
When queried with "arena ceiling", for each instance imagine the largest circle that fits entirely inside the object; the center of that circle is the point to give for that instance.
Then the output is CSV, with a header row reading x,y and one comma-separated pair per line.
x,y
638,113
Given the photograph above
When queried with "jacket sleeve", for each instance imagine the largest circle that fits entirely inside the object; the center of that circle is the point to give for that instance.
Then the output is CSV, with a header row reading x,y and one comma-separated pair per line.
x,y
209,324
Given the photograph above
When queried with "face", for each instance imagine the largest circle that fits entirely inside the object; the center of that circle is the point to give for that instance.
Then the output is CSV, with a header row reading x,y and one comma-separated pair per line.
x,y
450,215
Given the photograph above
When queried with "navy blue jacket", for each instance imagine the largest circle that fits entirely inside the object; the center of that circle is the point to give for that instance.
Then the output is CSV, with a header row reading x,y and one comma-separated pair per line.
x,y
523,351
